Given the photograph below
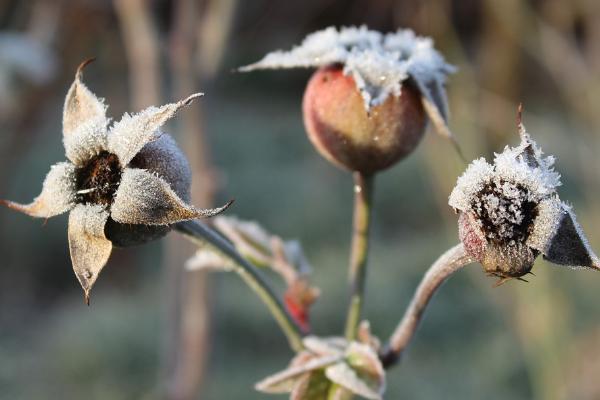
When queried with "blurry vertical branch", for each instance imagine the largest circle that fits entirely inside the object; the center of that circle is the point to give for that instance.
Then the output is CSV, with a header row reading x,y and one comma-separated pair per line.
x,y
141,49
196,43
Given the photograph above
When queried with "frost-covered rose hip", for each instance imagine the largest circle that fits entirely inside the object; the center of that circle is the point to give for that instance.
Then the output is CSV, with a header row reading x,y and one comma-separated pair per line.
x,y
348,135
367,105
510,213
122,185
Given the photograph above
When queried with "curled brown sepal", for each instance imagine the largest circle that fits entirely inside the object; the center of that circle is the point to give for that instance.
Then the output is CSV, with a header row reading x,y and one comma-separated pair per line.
x,y
88,245
57,196
144,198
84,121
128,136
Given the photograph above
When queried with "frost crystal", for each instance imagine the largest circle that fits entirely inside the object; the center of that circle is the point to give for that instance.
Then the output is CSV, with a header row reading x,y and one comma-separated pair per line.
x,y
511,212
379,63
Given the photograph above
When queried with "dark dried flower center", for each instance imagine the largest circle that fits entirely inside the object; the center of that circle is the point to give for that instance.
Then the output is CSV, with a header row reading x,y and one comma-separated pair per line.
x,y
98,180
506,212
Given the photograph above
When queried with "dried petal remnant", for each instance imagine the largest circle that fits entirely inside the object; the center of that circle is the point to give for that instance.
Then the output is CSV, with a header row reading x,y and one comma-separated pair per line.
x,y
505,211
98,179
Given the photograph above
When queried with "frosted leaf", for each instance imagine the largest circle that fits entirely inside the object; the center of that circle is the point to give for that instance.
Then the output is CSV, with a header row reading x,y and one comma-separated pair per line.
x,y
325,346
129,135
344,375
57,197
209,260
144,198
379,63
263,248
283,382
89,247
82,106
248,237
164,157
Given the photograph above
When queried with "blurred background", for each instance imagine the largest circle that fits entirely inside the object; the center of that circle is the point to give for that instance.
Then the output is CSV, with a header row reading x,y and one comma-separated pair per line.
x,y
155,331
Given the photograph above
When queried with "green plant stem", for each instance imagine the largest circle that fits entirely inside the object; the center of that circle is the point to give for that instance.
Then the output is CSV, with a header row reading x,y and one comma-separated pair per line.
x,y
451,261
201,234
363,193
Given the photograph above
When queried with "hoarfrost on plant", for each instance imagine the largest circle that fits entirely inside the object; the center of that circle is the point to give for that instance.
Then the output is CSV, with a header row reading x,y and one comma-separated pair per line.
x,y
379,63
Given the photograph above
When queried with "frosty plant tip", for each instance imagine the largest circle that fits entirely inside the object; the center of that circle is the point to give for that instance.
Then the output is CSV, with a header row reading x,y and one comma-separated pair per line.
x,y
123,185
510,212
366,106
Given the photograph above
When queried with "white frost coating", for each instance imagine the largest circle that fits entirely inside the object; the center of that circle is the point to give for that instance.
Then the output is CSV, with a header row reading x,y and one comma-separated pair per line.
x,y
546,224
514,202
129,135
144,198
379,63
521,165
207,259
87,141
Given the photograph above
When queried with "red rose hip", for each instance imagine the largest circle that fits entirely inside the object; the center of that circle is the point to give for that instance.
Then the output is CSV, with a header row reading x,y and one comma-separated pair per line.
x,y
348,135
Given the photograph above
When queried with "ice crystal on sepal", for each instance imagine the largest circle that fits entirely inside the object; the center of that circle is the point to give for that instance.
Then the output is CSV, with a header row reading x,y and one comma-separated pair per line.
x,y
379,63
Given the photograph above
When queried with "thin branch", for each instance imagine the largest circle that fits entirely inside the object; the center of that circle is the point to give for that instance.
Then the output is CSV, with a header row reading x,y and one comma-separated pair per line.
x,y
450,262
363,193
201,234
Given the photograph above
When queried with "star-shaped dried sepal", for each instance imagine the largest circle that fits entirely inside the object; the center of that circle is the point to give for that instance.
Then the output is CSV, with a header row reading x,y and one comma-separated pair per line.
x,y
123,185
510,213
330,368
